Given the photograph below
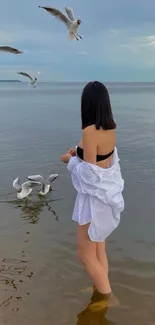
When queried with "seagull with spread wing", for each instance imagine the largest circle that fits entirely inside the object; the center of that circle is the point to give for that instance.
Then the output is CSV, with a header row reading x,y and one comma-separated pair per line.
x,y
24,189
69,20
10,49
45,184
33,80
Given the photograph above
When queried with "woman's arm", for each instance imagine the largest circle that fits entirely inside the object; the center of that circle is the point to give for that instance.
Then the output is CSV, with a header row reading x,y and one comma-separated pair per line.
x,y
66,157
89,145
71,153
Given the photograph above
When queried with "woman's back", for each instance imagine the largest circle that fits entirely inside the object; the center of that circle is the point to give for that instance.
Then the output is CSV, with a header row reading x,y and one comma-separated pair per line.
x,y
104,141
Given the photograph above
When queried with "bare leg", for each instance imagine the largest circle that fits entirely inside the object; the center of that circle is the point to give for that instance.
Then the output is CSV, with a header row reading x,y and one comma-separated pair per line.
x,y
102,256
87,254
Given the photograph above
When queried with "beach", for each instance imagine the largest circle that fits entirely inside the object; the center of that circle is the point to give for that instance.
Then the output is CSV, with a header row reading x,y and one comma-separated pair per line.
x,y
41,279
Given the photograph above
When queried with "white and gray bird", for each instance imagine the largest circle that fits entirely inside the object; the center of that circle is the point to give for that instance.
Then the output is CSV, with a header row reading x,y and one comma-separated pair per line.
x,y
45,184
33,80
10,49
24,189
71,23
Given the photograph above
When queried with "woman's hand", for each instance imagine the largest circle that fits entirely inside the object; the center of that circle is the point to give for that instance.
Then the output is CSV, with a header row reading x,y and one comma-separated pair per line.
x,y
66,157
72,152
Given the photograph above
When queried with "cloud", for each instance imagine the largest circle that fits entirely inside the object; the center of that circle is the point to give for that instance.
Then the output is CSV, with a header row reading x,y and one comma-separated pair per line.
x,y
118,36
147,41
82,53
137,43
115,32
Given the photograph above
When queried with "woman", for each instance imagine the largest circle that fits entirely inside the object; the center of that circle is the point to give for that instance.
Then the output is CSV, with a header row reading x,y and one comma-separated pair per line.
x,y
95,172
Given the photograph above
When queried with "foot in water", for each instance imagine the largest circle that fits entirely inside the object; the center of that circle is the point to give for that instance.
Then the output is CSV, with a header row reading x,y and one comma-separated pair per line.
x,y
100,301
93,317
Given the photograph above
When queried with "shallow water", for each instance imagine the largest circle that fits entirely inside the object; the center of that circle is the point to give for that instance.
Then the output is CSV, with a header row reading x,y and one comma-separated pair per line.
x,y
40,276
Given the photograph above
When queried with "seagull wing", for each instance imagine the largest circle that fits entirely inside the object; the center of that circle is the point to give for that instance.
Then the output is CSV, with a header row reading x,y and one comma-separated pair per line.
x,y
37,178
58,14
38,73
26,189
30,184
70,13
10,49
25,74
52,178
16,184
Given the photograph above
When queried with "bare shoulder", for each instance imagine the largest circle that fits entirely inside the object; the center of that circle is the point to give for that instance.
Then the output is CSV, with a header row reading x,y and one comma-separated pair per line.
x,y
90,128
111,133
89,131
89,135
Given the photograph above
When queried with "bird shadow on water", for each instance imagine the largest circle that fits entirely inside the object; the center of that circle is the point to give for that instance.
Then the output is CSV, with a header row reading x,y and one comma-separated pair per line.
x,y
30,210
16,272
31,207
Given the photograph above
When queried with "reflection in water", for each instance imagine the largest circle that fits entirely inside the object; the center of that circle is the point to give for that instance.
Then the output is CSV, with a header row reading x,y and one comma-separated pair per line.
x,y
50,209
16,273
90,316
31,210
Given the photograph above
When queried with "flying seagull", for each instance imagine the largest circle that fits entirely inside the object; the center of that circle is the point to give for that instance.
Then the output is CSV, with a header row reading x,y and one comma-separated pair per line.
x,y
69,20
45,184
33,80
10,49
24,189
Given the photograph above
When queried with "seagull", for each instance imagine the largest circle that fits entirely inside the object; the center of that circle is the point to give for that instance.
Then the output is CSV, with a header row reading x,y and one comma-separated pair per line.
x,y
45,184
24,189
10,49
69,20
33,79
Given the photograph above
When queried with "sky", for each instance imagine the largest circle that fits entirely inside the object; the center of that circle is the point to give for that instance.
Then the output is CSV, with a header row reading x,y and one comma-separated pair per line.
x,y
118,40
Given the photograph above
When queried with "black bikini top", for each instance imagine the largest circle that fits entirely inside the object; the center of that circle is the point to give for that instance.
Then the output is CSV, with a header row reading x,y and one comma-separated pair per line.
x,y
79,152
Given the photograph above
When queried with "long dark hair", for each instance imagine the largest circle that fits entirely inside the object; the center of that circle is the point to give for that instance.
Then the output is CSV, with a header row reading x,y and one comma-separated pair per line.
x,y
96,107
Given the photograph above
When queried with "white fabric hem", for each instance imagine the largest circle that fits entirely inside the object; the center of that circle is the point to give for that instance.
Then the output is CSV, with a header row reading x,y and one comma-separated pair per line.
x,y
99,196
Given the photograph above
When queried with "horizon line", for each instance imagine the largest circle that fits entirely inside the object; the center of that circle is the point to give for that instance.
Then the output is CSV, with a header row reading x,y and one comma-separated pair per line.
x,y
78,82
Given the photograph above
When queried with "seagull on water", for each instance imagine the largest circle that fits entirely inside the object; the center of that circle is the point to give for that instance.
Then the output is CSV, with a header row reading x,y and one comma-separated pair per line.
x,y
69,20
10,49
24,189
45,184
33,80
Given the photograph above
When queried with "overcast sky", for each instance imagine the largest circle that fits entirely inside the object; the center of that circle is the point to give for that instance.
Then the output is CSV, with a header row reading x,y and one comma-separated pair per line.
x,y
118,40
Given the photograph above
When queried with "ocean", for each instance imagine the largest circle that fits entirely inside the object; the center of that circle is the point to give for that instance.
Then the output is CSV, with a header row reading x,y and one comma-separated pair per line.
x,y
41,279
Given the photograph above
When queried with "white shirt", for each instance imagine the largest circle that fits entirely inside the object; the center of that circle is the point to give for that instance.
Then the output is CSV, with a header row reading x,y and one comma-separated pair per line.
x,y
99,198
